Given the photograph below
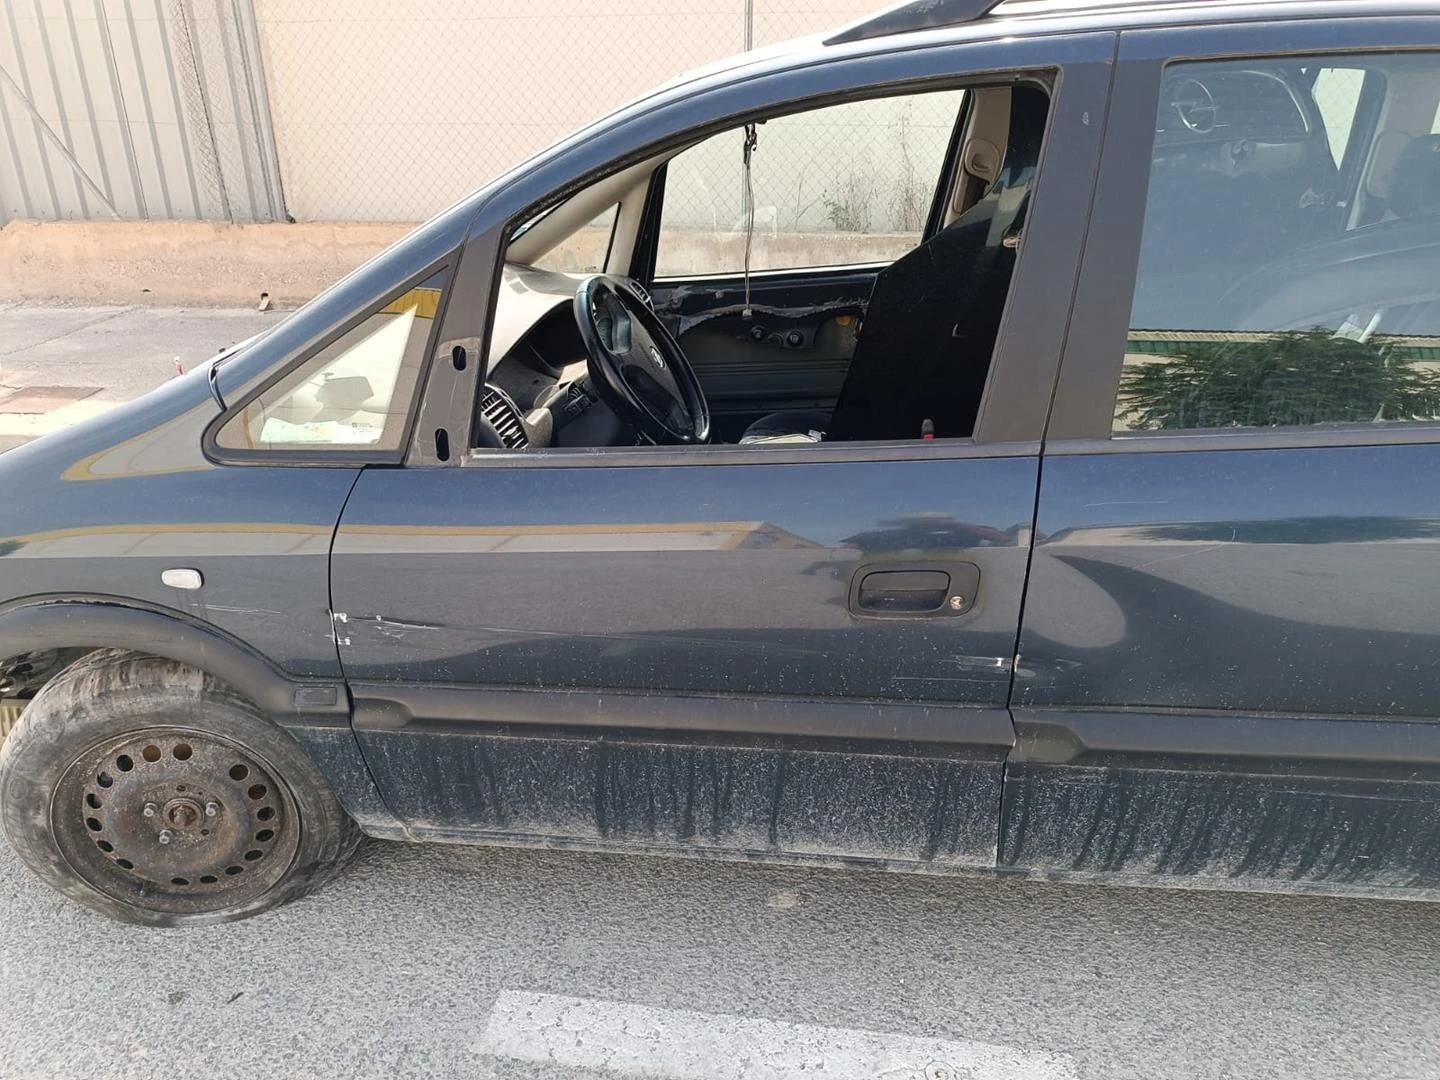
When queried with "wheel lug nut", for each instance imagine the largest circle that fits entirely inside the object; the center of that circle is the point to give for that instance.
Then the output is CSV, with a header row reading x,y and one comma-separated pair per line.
x,y
165,835
149,809
211,809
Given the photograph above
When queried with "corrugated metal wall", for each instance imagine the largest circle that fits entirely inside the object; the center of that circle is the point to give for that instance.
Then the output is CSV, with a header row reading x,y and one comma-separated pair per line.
x,y
134,109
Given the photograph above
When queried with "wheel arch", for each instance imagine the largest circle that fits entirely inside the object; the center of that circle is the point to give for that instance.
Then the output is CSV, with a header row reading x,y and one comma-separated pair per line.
x,y
316,712
98,622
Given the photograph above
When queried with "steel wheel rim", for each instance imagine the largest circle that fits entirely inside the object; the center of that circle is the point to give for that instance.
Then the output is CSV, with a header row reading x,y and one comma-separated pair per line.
x,y
175,820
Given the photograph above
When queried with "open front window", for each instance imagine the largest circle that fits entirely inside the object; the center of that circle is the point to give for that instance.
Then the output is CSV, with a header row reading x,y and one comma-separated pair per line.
x,y
851,184
832,275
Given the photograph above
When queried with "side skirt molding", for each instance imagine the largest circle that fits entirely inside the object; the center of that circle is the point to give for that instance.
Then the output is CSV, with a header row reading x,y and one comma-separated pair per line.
x,y
836,782
1059,737
393,707
1311,805
1343,806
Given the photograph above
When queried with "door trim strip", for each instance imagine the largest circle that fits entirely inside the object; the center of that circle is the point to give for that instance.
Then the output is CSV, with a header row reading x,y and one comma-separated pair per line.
x,y
391,707
1058,736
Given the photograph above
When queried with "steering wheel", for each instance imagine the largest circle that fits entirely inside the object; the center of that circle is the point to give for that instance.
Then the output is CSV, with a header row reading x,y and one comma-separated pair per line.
x,y
636,364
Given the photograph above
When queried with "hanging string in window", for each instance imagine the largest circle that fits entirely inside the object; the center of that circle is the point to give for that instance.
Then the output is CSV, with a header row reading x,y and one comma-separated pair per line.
x,y
752,140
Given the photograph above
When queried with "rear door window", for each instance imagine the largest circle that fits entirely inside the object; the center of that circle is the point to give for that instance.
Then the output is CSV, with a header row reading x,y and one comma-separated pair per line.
x,y
1290,250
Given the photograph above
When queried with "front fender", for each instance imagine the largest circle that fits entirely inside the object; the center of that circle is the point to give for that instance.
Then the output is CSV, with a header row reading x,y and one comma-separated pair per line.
x,y
64,622
316,712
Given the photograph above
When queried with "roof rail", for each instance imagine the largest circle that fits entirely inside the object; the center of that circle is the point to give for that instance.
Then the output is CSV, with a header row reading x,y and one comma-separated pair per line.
x,y
915,15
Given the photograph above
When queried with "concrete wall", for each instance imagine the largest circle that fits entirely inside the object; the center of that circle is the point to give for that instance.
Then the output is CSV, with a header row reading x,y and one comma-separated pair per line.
x,y
182,262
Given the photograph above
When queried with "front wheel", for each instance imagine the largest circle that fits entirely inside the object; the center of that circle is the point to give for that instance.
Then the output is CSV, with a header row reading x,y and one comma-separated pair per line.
x,y
151,792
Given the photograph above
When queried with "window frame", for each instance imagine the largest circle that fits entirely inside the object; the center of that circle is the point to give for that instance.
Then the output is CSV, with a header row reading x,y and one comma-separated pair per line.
x,y
1082,417
1047,77
345,456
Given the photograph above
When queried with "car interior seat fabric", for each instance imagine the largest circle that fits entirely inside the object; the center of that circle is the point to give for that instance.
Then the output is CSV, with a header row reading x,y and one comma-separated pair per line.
x,y
934,314
1415,182
1257,199
1385,266
790,425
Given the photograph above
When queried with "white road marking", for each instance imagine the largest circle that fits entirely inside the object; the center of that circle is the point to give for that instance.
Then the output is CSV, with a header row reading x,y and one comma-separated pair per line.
x,y
637,1040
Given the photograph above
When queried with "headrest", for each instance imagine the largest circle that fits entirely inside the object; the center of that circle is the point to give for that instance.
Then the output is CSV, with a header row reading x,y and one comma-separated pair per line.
x,y
1415,183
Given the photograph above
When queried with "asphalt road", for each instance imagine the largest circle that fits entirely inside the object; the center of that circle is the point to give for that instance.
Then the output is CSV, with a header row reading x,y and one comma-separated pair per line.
x,y
450,962
396,969
110,354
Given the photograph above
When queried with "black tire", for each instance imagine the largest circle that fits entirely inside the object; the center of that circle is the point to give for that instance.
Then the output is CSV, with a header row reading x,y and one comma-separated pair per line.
x,y
132,783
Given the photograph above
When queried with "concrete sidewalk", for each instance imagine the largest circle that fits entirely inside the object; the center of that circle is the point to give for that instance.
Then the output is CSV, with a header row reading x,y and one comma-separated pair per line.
x,y
60,365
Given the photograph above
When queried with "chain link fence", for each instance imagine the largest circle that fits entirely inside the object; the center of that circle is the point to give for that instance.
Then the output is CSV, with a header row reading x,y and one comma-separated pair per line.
x,y
862,167
846,183
362,110
389,114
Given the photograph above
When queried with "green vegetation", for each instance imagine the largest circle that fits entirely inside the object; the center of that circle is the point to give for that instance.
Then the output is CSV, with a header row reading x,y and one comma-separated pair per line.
x,y
1285,380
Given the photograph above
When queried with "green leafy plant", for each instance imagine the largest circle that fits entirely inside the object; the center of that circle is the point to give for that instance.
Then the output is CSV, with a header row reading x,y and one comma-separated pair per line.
x,y
1281,380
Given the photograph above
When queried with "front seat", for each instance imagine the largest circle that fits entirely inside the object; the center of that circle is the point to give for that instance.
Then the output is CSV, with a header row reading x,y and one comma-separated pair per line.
x,y
1415,181
1386,267
934,314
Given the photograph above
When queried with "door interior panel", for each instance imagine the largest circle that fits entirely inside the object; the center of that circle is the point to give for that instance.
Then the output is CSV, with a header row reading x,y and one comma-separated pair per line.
x,y
792,351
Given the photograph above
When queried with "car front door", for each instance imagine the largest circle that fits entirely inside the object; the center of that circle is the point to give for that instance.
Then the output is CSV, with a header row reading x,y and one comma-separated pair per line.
x,y
1227,666
803,651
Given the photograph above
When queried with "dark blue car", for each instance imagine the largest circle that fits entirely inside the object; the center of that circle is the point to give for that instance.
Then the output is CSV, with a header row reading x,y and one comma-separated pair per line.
x,y
1070,511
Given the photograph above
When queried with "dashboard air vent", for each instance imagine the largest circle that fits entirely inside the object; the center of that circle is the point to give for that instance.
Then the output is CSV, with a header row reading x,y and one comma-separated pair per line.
x,y
639,290
503,419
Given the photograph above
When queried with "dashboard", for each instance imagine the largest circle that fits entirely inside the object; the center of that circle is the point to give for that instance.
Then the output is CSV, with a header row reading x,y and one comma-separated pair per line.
x,y
1226,105
1238,123
537,390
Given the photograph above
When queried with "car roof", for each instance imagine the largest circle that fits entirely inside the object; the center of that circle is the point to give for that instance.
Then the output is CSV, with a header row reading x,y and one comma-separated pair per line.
x,y
915,16
919,22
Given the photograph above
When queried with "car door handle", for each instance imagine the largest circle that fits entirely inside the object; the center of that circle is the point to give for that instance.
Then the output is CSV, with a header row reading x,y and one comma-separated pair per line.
x,y
913,590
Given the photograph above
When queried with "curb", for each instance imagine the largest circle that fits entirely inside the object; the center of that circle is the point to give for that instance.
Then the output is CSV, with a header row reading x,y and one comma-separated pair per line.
x,y
182,263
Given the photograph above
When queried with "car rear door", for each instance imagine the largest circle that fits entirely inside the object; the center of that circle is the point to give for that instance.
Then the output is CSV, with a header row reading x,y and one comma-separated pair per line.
x,y
794,650
1227,665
